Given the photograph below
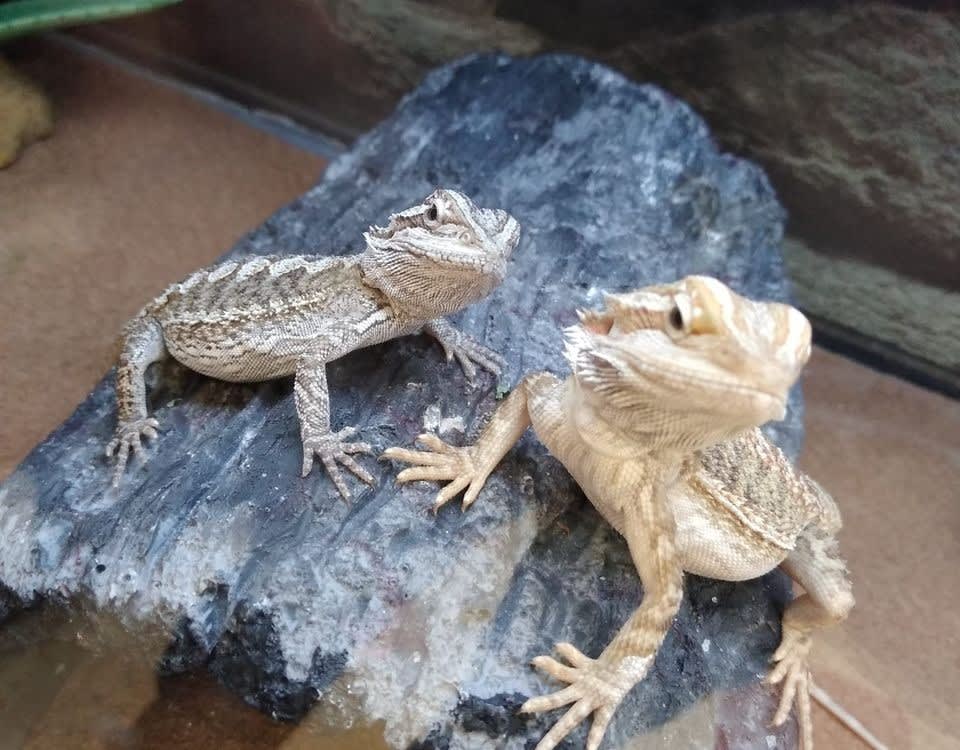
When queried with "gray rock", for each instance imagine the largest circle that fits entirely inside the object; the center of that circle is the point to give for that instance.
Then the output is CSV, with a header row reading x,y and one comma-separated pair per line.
x,y
391,614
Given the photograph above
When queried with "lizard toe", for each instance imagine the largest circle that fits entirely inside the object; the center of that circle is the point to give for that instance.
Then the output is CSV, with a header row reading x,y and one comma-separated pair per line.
x,y
333,453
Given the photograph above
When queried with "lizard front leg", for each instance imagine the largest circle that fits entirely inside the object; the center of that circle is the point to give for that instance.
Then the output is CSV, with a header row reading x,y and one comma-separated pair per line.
x,y
815,565
142,345
597,686
467,351
313,409
467,467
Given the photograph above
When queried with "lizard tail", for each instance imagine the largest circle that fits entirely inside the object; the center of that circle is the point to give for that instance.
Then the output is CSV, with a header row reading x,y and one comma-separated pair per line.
x,y
842,715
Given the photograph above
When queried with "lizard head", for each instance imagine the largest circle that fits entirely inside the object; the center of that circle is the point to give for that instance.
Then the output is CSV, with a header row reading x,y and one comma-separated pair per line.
x,y
441,255
688,364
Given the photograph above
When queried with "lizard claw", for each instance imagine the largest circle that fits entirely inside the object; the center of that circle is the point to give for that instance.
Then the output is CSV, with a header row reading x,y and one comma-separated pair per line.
x,y
126,439
470,353
441,462
595,686
332,450
790,669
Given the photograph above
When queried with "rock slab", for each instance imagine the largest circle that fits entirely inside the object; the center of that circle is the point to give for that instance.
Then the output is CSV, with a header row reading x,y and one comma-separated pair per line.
x,y
378,609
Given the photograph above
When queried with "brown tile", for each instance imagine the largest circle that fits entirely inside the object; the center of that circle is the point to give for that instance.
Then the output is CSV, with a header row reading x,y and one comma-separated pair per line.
x,y
97,706
890,453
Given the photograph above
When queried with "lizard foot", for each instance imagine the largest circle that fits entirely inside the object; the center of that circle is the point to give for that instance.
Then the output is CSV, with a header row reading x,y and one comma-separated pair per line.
x,y
467,351
126,439
441,462
791,669
332,450
595,686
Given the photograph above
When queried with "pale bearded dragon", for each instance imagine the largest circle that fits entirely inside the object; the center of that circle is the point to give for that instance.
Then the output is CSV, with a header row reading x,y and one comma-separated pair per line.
x,y
658,425
257,318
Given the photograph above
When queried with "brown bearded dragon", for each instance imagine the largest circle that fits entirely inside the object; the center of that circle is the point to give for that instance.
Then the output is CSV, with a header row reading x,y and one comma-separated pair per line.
x,y
265,317
658,425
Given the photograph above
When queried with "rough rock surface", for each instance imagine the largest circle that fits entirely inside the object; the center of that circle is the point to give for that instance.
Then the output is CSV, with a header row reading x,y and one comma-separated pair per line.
x,y
853,115
917,320
386,612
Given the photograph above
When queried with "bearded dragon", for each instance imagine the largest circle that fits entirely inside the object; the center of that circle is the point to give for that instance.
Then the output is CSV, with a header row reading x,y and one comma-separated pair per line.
x,y
658,425
265,317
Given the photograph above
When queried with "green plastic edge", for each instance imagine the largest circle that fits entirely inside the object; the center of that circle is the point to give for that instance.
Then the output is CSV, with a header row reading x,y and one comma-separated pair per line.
x,y
27,16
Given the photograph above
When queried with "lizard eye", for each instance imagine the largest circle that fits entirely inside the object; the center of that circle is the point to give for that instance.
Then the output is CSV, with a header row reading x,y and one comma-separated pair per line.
x,y
432,215
675,319
677,322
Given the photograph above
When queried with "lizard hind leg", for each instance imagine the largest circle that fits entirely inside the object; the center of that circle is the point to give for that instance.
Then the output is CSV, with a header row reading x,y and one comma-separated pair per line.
x,y
142,344
815,565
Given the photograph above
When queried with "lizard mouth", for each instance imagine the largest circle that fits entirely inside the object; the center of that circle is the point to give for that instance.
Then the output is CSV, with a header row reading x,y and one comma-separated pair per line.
x,y
742,391
724,394
380,233
510,229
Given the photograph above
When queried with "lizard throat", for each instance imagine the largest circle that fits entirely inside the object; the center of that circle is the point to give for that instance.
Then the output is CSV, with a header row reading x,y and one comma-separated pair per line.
x,y
423,292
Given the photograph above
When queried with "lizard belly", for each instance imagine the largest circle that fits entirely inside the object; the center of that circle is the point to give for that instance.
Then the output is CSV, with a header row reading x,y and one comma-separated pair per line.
x,y
273,348
238,353
713,543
